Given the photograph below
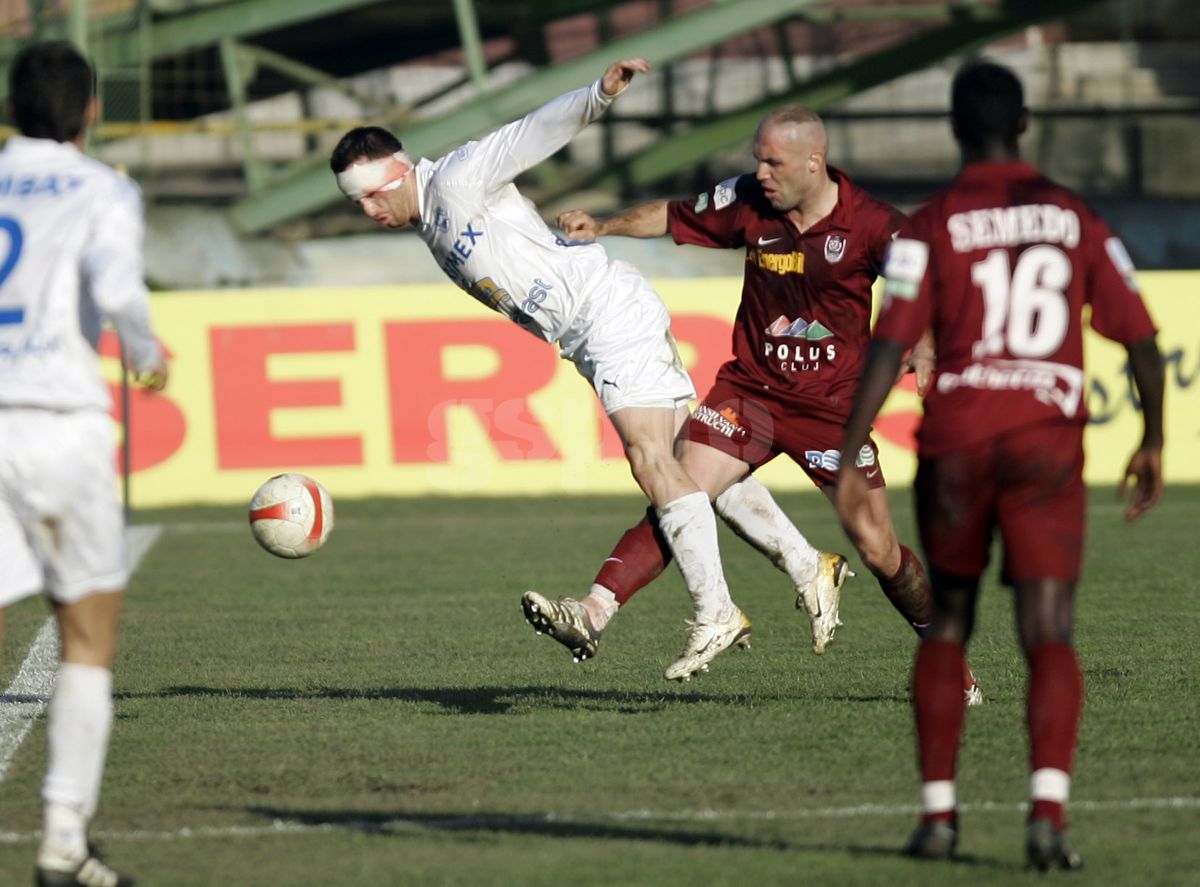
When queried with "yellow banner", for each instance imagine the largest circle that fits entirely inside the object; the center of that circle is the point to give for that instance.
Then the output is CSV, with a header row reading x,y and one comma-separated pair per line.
x,y
417,389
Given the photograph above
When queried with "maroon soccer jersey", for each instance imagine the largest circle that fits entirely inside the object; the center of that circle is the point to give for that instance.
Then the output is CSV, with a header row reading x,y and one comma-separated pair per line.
x,y
803,324
1001,264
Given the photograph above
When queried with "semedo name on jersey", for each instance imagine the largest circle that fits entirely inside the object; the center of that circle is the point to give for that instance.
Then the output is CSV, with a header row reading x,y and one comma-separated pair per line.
x,y
1012,225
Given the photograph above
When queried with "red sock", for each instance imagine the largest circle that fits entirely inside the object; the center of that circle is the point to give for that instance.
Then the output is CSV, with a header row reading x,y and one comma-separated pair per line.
x,y
1052,810
908,590
639,557
1052,708
950,817
938,705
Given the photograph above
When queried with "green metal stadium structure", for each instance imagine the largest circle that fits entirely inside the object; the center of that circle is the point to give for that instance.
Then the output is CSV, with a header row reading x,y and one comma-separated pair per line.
x,y
257,48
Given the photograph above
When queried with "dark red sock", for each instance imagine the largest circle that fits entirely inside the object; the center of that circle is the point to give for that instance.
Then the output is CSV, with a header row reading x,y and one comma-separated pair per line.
x,y
1053,705
909,592
938,705
950,817
639,557
1052,810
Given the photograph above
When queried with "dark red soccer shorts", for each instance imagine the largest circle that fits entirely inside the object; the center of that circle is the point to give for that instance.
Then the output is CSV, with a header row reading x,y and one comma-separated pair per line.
x,y
756,428
1027,483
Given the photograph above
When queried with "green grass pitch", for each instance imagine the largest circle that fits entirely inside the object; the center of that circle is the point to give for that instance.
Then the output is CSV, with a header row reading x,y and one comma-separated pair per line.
x,y
380,713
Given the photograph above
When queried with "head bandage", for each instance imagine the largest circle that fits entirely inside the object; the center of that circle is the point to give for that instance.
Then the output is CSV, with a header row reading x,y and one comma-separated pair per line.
x,y
361,179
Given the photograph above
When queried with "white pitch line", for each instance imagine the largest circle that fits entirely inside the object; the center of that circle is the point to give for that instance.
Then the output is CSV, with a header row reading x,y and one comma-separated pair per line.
x,y
500,821
25,699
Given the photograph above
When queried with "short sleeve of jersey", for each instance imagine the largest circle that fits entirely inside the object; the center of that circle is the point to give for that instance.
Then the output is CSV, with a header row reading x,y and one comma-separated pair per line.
x,y
907,304
713,218
1118,312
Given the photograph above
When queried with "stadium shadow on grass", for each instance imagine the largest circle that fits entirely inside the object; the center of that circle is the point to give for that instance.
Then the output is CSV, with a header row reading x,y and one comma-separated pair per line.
x,y
473,700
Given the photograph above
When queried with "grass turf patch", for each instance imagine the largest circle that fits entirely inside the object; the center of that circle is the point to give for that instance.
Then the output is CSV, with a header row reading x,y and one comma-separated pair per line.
x,y
386,698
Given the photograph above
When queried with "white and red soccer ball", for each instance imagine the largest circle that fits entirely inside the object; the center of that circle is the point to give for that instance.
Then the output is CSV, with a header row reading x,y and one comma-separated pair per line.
x,y
291,515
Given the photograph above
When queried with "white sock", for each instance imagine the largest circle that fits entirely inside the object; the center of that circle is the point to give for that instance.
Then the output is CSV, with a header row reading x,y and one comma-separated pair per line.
x,y
751,512
939,797
601,605
78,722
1049,784
690,528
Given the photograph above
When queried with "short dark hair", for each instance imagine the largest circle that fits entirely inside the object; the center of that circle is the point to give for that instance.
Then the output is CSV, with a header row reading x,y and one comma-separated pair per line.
x,y
371,142
50,85
987,105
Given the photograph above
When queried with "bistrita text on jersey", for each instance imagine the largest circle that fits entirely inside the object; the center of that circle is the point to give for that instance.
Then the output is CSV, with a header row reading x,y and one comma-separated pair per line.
x,y
38,186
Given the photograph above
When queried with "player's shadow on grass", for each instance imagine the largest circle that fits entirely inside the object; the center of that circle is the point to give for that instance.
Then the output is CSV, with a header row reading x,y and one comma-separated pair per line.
x,y
476,700
937,872
545,825
612,828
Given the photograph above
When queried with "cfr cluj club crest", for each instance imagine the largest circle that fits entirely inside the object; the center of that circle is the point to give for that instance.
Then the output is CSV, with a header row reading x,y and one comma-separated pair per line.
x,y
835,248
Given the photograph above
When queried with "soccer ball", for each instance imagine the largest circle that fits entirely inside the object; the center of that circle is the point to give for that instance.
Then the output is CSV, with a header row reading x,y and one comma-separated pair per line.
x,y
291,515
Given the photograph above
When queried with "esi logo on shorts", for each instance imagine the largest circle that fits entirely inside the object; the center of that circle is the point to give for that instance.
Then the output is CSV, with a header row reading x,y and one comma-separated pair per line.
x,y
866,457
830,460
701,203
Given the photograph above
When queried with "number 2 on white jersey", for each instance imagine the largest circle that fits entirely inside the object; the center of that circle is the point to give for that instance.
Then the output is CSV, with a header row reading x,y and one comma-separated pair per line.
x,y
16,240
1025,310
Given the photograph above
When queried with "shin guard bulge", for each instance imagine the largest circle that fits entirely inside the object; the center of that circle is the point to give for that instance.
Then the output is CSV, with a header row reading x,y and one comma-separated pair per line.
x,y
638,559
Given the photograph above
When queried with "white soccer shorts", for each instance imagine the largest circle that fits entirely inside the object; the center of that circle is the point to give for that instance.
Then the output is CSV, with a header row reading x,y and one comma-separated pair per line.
x,y
61,526
628,352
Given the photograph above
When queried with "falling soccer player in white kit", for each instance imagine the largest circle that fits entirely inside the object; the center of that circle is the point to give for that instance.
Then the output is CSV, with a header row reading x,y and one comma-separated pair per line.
x,y
603,315
70,255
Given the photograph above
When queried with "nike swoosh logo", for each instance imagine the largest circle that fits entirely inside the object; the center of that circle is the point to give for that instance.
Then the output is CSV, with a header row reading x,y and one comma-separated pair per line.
x,y
871,474
763,241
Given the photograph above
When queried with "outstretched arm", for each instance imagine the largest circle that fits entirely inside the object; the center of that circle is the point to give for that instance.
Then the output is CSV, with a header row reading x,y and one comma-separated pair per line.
x,y
1145,465
644,220
498,158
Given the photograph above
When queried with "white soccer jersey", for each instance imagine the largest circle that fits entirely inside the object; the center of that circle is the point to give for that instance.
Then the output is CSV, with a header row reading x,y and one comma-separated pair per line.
x,y
491,241
71,233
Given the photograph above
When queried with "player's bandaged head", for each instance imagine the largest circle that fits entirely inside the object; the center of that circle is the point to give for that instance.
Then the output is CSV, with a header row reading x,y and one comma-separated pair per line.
x,y
382,174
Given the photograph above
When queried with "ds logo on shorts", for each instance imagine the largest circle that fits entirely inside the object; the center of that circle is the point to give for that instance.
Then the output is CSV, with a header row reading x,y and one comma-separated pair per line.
x,y
866,457
830,460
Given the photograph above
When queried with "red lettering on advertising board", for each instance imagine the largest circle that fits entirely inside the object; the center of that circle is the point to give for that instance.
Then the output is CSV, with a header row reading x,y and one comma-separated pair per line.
x,y
244,396
156,423
709,338
419,392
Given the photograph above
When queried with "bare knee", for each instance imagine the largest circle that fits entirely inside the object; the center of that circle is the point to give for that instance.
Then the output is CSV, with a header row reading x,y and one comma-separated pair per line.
x,y
649,462
88,628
